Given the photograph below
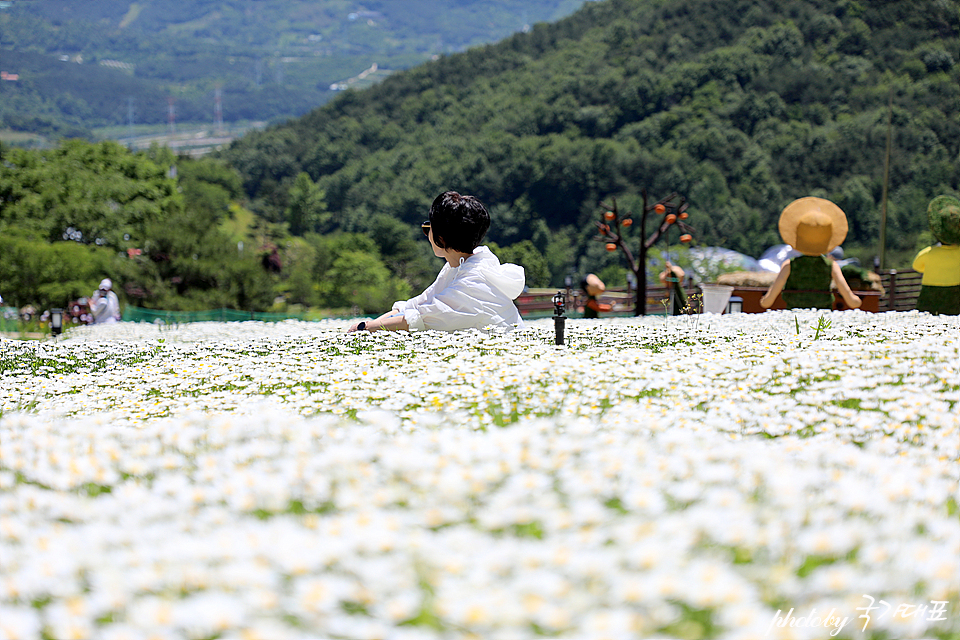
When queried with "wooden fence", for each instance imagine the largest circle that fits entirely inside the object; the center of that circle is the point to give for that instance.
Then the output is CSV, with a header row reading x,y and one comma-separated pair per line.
x,y
539,302
900,291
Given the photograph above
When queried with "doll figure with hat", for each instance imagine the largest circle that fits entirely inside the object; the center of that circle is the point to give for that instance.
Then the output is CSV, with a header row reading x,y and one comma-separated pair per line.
x,y
814,227
672,279
593,287
940,265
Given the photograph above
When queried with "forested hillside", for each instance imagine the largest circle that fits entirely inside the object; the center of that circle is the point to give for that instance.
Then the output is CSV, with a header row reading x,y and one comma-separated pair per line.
x,y
171,233
84,65
739,105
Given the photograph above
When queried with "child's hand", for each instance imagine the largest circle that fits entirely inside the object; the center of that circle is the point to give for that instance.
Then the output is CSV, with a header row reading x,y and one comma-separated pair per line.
x,y
357,326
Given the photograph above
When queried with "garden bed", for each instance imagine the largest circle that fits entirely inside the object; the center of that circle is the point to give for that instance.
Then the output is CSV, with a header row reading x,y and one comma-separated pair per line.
x,y
688,477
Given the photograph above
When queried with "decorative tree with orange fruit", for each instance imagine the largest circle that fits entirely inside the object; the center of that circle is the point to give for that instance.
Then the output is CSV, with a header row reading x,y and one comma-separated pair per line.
x,y
673,208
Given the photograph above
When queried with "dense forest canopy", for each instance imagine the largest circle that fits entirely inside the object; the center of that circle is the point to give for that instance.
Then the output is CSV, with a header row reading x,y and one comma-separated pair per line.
x,y
740,105
170,232
85,65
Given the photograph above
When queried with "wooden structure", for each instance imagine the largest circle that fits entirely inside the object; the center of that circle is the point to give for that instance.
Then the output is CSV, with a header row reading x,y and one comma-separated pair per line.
x,y
900,291
751,300
539,302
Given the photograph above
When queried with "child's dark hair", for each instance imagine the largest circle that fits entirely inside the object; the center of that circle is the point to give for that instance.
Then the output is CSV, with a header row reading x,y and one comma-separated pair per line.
x,y
458,222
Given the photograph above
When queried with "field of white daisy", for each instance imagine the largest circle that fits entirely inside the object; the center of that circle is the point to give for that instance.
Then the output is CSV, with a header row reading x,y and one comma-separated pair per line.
x,y
780,475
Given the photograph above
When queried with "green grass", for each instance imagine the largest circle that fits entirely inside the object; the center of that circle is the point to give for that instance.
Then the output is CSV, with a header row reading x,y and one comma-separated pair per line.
x,y
238,225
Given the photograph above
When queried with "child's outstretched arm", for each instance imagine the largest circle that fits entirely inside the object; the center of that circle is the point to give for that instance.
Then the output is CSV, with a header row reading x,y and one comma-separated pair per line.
x,y
771,295
390,321
851,299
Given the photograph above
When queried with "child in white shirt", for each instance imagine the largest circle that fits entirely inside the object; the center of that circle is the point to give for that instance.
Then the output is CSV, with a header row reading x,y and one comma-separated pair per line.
x,y
473,290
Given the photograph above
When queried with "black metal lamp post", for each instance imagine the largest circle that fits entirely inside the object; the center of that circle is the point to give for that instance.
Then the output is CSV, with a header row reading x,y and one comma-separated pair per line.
x,y
559,320
56,321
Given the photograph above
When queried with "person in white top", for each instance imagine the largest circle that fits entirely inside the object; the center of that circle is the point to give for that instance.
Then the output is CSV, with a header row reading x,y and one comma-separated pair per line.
x,y
472,291
104,305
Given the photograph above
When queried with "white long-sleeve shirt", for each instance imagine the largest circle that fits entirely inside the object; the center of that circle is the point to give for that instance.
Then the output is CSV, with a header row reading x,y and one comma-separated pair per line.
x,y
105,308
477,294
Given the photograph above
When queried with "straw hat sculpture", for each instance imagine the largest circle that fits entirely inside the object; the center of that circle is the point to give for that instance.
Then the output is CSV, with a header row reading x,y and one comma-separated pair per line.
x,y
813,226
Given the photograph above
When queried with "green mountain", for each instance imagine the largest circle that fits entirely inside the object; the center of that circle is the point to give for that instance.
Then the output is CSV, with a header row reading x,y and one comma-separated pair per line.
x,y
84,65
739,105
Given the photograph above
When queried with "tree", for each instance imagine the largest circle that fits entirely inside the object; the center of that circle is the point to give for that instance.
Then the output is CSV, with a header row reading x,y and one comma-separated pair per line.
x,y
525,254
49,275
673,208
307,210
87,193
360,279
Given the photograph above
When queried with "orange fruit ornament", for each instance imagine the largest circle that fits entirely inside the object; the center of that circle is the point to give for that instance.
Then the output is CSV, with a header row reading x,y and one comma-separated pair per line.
x,y
686,237
671,218
611,246
660,209
684,215
626,222
609,215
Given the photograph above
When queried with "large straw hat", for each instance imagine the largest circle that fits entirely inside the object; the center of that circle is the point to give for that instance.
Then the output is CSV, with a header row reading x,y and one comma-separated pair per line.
x,y
944,216
813,226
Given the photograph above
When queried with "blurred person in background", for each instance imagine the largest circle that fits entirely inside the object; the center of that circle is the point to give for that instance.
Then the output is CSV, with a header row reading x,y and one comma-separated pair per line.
x,y
104,305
